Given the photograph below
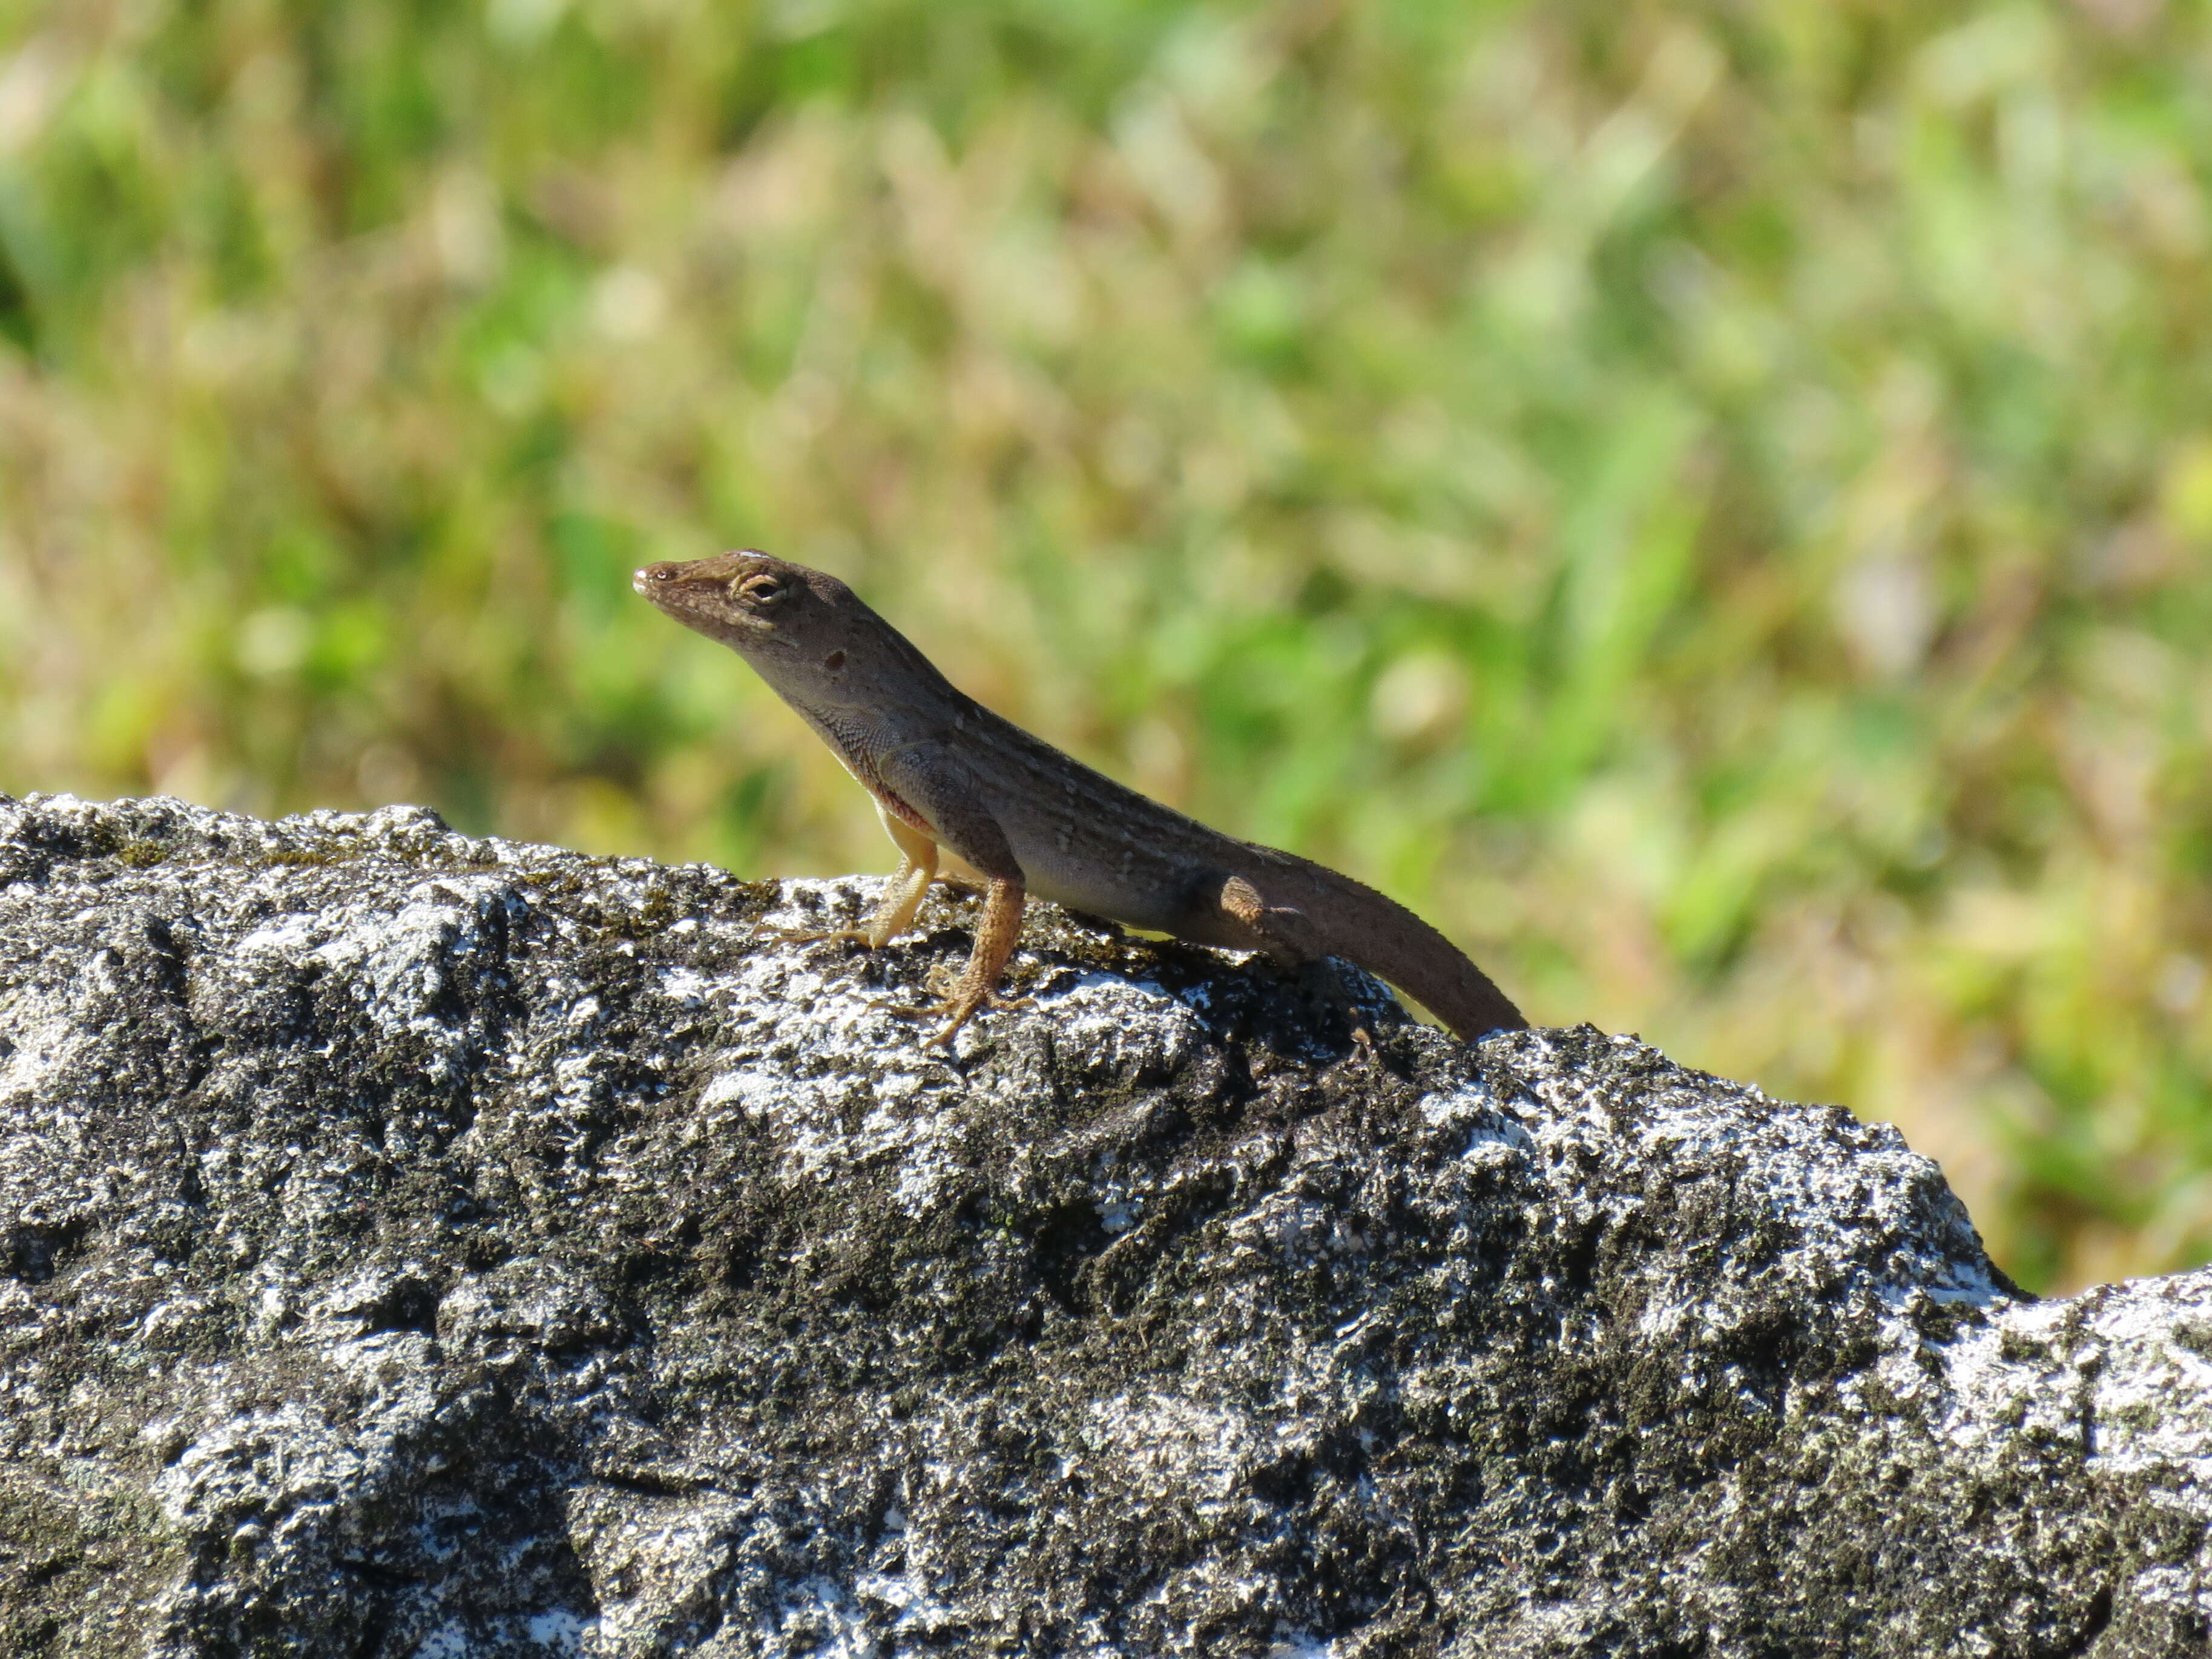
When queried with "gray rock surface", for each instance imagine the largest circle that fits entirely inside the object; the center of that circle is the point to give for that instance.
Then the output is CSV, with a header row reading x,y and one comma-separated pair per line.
x,y
421,1246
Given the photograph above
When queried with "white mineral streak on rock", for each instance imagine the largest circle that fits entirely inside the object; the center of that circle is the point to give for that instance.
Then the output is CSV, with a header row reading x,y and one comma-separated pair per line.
x,y
1123,1023
46,1038
2120,1376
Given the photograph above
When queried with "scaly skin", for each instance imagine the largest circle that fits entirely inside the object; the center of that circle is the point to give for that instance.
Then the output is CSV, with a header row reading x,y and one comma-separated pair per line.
x,y
945,771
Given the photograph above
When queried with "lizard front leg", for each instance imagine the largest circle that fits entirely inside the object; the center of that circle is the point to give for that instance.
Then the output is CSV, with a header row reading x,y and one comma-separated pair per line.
x,y
903,898
995,939
902,895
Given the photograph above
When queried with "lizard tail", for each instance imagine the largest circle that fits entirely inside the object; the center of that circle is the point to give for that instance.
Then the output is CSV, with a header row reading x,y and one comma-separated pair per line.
x,y
1456,992
1392,944
1463,997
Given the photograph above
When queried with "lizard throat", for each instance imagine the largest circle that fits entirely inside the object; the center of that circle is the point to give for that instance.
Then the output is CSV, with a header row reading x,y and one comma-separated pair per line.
x,y
848,743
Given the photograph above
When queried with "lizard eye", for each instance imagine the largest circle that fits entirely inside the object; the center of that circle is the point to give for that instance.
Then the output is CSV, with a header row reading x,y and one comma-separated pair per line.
x,y
761,590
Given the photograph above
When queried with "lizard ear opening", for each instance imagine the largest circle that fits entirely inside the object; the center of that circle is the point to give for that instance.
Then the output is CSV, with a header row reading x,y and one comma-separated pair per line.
x,y
834,661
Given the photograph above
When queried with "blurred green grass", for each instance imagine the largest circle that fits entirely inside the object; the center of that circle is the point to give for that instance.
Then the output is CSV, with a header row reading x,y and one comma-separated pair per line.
x,y
1711,503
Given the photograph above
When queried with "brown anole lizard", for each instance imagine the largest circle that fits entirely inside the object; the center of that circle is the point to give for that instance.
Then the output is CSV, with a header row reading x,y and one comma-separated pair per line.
x,y
945,771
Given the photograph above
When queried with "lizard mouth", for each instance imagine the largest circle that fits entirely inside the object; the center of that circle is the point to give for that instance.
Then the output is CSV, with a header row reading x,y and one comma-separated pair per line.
x,y
673,587
701,603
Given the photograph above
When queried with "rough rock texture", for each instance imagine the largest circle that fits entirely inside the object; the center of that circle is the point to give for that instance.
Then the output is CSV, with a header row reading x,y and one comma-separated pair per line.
x,y
412,1245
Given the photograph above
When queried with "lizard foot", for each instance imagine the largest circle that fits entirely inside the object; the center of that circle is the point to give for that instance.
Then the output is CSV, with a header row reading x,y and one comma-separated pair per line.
x,y
956,1013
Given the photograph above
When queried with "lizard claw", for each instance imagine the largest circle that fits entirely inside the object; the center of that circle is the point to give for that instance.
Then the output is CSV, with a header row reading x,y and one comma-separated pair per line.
x,y
958,1013
906,1010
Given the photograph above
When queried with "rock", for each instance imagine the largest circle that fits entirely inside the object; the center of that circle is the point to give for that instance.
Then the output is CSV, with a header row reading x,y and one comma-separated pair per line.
x,y
424,1246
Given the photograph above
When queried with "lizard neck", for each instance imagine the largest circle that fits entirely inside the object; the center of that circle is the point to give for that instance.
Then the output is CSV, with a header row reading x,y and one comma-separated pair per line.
x,y
862,744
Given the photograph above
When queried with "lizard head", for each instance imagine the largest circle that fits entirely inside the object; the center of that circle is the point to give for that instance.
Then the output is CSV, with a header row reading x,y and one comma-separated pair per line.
x,y
804,631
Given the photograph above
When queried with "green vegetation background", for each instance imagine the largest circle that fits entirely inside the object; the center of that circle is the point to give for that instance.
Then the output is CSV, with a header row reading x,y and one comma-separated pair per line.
x,y
1711,503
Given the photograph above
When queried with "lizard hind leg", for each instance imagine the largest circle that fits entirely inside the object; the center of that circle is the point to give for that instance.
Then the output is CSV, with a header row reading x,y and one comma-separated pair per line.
x,y
1287,935
1293,943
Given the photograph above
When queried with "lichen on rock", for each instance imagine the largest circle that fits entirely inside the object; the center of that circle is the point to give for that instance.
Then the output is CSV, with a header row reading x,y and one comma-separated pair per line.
x,y
422,1245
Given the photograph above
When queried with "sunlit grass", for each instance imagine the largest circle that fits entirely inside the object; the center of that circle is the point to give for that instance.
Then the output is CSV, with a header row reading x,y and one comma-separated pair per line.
x,y
1710,504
